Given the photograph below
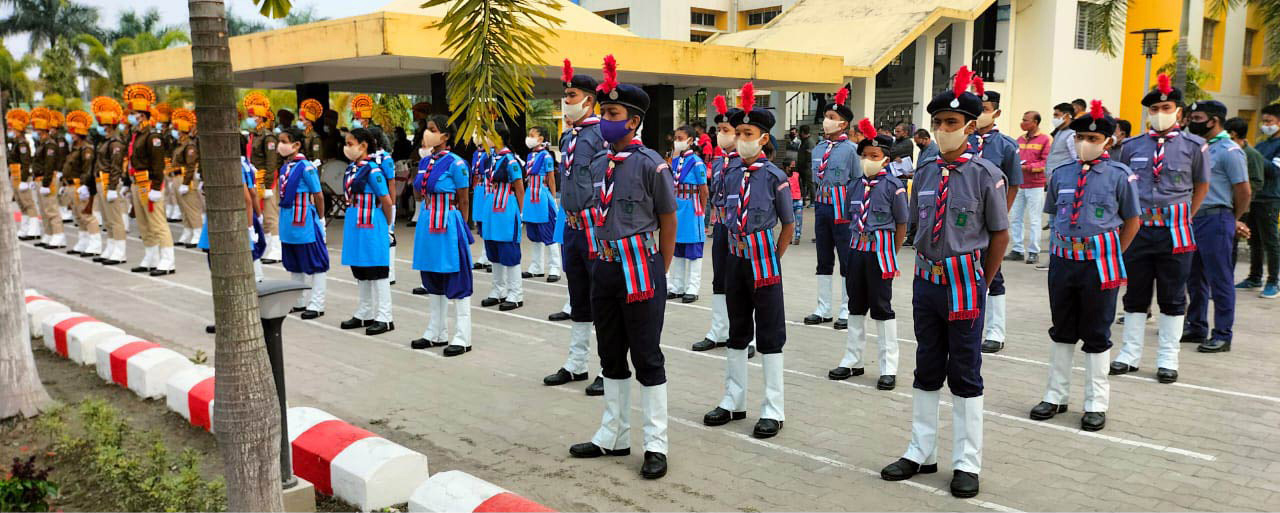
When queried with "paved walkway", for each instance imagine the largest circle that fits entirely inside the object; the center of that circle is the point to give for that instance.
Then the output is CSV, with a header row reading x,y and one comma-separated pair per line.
x,y
1209,442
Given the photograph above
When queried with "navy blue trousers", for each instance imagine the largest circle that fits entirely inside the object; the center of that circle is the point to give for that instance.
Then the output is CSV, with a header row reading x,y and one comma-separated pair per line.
x,y
754,313
867,290
719,250
1081,310
577,271
1212,276
946,351
833,240
1151,262
623,327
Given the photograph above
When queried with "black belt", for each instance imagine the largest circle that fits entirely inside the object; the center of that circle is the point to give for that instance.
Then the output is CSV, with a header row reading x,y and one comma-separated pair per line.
x,y
1204,211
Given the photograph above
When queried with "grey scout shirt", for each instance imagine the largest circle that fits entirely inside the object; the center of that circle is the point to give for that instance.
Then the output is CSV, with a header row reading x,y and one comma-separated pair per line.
x,y
887,204
1002,151
841,164
643,188
1063,149
717,187
1184,166
577,189
770,202
1228,167
1110,197
976,205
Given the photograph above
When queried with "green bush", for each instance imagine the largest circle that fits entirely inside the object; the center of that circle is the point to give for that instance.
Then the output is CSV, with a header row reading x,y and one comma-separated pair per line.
x,y
26,487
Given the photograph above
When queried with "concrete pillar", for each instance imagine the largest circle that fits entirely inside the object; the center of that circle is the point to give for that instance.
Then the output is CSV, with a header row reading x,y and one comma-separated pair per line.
x,y
922,89
961,44
661,118
439,94
862,98
317,90
1004,39
778,99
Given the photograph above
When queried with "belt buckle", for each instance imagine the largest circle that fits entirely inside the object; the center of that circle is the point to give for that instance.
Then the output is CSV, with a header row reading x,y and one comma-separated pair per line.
x,y
742,245
863,238
1077,246
936,270
1157,216
608,253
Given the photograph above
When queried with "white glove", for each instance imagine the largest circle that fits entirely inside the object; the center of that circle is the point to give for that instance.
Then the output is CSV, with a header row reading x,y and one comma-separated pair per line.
x,y
124,190
24,187
268,193
155,196
201,186
112,195
44,191
83,191
184,189
253,236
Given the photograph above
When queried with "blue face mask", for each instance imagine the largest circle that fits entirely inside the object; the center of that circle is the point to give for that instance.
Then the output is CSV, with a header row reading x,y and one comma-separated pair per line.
x,y
102,130
613,131
67,137
275,130
122,127
355,123
252,123
300,125
173,134
133,119
159,126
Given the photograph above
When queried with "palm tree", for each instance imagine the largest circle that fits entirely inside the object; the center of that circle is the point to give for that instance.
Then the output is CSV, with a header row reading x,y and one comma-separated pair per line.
x,y
302,16
46,22
237,26
101,61
15,85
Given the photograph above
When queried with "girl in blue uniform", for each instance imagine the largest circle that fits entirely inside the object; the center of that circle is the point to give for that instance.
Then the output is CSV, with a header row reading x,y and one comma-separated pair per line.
x,y
502,227
482,196
257,240
691,196
382,159
441,241
302,234
365,236
539,213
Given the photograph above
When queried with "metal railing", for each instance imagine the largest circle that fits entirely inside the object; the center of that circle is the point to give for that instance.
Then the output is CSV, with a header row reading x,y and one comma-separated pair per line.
x,y
984,63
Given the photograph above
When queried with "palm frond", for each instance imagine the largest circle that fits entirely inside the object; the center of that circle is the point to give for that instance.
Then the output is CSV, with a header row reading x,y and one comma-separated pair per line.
x,y
1216,8
1106,19
273,9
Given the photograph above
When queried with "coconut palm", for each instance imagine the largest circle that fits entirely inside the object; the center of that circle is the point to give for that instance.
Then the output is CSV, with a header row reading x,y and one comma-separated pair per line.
x,y
46,22
101,61
15,85
302,16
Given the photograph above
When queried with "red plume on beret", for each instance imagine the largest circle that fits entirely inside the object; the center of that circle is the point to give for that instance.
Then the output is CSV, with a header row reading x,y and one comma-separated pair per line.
x,y
1162,83
722,107
610,75
1095,110
842,96
566,76
748,97
979,86
867,128
962,80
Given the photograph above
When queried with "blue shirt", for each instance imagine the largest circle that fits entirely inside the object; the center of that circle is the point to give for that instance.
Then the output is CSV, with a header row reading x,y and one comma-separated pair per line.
x,y
1110,197
770,202
577,190
1184,165
720,168
842,164
303,232
886,206
455,178
643,188
1002,151
689,169
977,204
1228,167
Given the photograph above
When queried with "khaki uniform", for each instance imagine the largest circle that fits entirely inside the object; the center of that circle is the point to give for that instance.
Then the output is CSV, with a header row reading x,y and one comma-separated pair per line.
x,y
108,165
20,173
146,166
185,160
44,170
263,156
78,171
64,153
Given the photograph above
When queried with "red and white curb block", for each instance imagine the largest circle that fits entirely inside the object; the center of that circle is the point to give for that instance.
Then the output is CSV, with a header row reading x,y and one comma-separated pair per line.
x,y
138,365
457,491
39,307
350,463
76,335
190,393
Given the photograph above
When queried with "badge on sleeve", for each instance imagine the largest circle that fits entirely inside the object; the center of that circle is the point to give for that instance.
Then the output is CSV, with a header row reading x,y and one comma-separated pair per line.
x,y
156,142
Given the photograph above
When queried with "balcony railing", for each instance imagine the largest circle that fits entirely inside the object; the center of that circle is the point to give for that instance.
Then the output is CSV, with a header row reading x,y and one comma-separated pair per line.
x,y
984,63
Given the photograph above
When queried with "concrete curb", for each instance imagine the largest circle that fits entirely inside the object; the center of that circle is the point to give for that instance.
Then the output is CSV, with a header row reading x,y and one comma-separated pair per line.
x,y
138,365
76,336
39,307
456,491
190,393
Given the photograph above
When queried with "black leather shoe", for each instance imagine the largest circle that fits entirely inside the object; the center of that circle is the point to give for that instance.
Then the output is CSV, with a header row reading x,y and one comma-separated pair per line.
x,y
1215,346
311,314
477,266
812,319
558,316
508,305
964,484
841,324
419,291
98,258
720,416
596,388
354,323
751,352
378,328
41,245
706,344
456,350
905,469
553,278
590,450
488,268
1119,368
1188,338
94,256
1033,259
527,275
1093,421
655,465
1166,375
1046,410
561,377
843,373
1014,256
161,272
766,428
210,329
689,298
111,262
992,346
490,301
140,269
422,343
72,252
887,382
673,295
55,247
270,261
297,309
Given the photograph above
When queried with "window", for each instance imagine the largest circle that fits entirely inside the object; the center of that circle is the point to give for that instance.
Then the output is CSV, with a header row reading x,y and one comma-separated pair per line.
x,y
762,17
1086,39
1206,39
698,38
702,18
1250,36
622,17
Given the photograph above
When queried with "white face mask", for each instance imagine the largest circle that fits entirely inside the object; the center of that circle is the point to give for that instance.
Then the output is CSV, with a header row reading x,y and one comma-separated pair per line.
x,y
285,150
871,168
951,141
1268,129
424,152
830,126
352,152
726,141
1088,151
1057,122
573,111
680,146
987,118
748,149
531,142
1162,121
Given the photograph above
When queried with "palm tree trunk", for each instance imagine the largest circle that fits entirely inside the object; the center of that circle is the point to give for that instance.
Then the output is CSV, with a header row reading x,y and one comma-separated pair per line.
x,y
246,415
21,392
1184,32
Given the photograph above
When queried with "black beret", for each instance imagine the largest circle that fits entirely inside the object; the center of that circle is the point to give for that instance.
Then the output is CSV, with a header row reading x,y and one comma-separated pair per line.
x,y
843,111
759,117
991,96
882,141
727,116
1105,125
1210,107
584,82
967,104
627,95
1155,96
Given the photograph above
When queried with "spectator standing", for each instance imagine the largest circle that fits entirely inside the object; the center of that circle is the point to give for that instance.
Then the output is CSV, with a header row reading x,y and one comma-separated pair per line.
x,y
1264,241
804,154
1123,130
797,200
928,149
1033,150
1063,149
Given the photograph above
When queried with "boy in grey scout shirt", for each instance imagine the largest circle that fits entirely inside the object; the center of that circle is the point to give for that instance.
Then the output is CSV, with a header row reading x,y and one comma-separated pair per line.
x,y
1173,179
962,207
1094,204
1002,151
579,144
757,199
635,197
878,211
835,162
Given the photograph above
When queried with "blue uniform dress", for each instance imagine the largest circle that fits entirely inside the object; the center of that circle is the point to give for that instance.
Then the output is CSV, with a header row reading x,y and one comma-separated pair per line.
x,y
302,239
481,202
441,240
365,238
501,229
690,174
248,174
539,212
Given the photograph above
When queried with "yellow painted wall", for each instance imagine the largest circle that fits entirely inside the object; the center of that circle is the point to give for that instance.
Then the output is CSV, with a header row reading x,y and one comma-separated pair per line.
x,y
1145,14
1214,65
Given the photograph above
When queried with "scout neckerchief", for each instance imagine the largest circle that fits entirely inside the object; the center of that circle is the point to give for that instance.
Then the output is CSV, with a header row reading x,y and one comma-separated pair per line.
x,y
290,176
501,189
685,164
536,157
982,139
357,178
718,187
1176,216
833,193
1157,161
756,247
1078,200
438,203
940,205
962,273
606,187
826,154
573,143
881,241
632,251
478,162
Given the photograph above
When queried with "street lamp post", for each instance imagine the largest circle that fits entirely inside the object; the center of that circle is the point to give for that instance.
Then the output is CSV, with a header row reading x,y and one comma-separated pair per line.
x,y
275,298
1150,47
